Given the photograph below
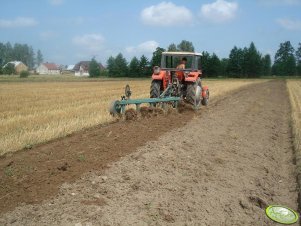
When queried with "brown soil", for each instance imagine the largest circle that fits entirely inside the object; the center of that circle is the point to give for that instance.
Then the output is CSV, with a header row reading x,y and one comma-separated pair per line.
x,y
130,114
35,174
222,166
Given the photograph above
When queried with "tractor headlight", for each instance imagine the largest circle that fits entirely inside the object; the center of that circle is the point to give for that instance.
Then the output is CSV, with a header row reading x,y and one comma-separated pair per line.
x,y
157,70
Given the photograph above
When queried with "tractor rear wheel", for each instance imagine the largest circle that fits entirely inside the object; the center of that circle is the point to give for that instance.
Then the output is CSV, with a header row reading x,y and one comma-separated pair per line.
x,y
155,89
193,95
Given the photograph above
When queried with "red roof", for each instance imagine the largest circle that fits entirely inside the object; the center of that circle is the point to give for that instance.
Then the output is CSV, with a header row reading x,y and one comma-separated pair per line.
x,y
51,66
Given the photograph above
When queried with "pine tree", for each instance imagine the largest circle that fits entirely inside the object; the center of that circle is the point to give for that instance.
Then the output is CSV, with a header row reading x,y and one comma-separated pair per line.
x,y
235,63
39,58
298,58
252,62
94,69
205,63
144,67
214,66
156,59
223,68
111,66
266,65
121,66
285,62
134,67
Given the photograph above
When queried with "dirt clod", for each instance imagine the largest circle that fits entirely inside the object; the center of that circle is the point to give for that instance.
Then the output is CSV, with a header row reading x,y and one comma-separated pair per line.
x,y
148,112
259,202
130,114
63,167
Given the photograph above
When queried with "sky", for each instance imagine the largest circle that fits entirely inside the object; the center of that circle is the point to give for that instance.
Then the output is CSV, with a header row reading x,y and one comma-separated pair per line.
x,y
68,31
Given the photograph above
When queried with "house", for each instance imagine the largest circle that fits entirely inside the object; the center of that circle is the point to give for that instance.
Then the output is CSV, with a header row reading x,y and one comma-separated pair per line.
x,y
19,66
82,68
48,69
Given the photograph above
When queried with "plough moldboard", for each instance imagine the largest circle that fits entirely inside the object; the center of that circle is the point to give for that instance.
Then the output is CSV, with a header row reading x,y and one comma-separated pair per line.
x,y
118,107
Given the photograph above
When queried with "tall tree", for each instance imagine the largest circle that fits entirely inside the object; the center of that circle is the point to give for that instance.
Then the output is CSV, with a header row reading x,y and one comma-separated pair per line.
x,y
9,69
31,58
266,65
156,59
172,48
185,46
298,58
121,66
8,52
214,66
252,62
211,65
285,62
205,62
144,66
19,52
134,67
111,66
223,68
235,63
2,54
39,58
94,69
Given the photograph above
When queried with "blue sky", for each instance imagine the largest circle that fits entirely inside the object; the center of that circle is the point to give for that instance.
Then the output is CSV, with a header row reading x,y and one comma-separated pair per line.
x,y
67,31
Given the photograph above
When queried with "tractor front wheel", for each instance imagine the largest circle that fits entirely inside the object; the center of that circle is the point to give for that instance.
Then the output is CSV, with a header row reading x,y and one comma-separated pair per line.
x,y
155,89
193,95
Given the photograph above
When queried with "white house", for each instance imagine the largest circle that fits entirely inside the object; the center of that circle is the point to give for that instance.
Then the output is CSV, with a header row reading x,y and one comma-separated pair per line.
x,y
48,69
82,68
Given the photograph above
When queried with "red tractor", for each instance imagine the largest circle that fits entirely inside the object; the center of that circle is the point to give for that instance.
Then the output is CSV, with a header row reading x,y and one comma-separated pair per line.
x,y
180,76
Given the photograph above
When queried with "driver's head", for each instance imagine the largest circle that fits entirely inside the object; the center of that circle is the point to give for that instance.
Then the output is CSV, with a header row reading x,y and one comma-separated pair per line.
x,y
184,60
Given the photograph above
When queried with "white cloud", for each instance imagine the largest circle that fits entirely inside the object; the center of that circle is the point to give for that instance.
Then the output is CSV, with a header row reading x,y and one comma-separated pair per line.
x,y
219,11
18,22
166,14
293,25
90,42
143,48
56,2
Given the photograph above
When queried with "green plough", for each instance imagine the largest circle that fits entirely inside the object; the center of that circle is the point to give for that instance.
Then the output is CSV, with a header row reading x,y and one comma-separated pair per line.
x,y
118,107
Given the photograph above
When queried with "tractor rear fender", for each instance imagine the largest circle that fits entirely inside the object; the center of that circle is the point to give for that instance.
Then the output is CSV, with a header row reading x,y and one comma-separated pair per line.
x,y
192,76
159,76
162,76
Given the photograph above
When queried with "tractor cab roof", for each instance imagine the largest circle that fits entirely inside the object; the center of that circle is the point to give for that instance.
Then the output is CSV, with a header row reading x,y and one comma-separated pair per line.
x,y
181,54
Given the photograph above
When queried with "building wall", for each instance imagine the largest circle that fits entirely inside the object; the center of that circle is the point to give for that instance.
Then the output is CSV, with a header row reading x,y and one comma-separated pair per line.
x,y
54,72
43,70
81,73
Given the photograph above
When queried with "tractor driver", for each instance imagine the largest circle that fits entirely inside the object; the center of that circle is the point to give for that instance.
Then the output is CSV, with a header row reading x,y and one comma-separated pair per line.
x,y
182,64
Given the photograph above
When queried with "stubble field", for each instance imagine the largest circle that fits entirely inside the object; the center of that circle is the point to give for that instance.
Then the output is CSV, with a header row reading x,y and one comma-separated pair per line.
x,y
35,112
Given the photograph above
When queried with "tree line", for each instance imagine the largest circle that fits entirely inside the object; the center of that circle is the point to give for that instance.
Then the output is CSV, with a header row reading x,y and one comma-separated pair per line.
x,y
19,52
245,62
